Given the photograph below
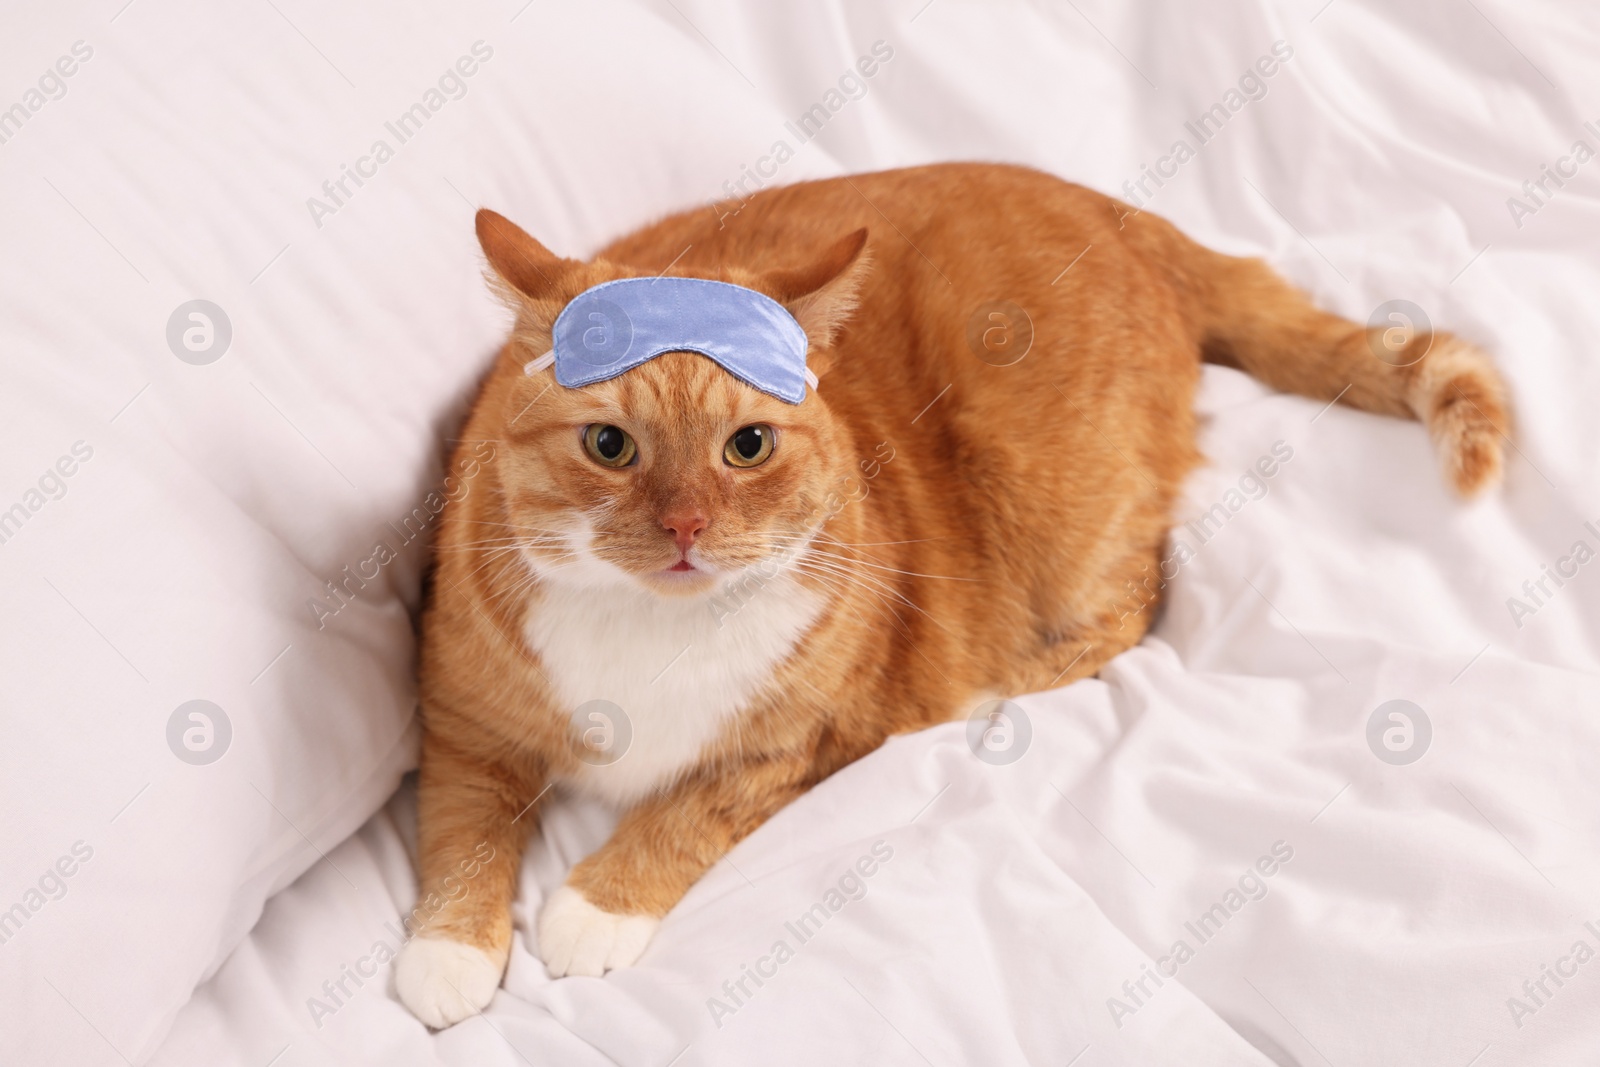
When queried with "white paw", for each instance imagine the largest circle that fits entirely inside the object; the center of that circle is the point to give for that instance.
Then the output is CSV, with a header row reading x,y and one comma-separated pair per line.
x,y
575,937
443,981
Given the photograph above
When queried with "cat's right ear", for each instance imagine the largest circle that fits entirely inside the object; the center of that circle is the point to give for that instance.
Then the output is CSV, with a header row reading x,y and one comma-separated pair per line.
x,y
525,267
822,294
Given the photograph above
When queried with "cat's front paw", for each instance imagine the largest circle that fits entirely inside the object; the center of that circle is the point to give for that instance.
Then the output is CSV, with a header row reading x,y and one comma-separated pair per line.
x,y
444,981
575,937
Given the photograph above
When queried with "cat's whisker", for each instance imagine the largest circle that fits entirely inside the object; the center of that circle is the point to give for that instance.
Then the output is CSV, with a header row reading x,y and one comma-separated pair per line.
x,y
814,545
865,583
498,541
852,544
872,582
895,570
889,612
512,592
487,563
883,608
519,527
515,552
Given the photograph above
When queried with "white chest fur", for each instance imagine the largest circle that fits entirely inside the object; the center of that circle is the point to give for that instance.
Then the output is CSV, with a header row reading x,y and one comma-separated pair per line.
x,y
679,669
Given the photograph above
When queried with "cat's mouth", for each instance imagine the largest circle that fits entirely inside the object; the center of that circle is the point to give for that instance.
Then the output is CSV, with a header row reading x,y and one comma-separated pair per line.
x,y
685,569
682,578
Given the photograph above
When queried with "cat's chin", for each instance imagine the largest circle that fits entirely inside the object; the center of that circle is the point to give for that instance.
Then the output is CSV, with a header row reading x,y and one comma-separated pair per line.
x,y
671,582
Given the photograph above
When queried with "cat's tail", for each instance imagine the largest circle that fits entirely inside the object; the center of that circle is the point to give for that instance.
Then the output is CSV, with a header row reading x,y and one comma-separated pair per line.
x,y
1244,315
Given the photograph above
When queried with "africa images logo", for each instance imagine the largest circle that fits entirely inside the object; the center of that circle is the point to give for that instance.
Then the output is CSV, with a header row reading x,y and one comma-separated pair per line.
x,y
850,886
199,732
1250,887
451,85
1399,732
199,332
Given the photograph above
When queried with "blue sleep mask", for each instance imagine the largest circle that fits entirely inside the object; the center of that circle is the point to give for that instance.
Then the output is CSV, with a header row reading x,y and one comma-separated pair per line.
x,y
615,326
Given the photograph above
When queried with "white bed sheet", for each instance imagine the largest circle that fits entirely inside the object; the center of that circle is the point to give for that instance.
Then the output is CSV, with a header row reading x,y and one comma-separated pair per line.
x,y
1020,899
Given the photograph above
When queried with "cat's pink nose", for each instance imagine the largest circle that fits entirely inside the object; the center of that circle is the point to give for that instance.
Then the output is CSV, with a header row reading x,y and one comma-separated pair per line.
x,y
685,526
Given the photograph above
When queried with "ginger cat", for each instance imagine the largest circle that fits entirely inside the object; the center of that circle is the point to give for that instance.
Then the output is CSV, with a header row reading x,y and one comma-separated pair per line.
x,y
770,590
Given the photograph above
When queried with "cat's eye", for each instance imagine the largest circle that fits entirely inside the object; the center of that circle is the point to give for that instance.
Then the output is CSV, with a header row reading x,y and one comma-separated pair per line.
x,y
749,446
609,446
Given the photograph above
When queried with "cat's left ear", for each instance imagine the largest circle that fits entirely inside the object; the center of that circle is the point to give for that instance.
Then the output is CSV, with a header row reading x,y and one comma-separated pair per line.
x,y
528,275
822,295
